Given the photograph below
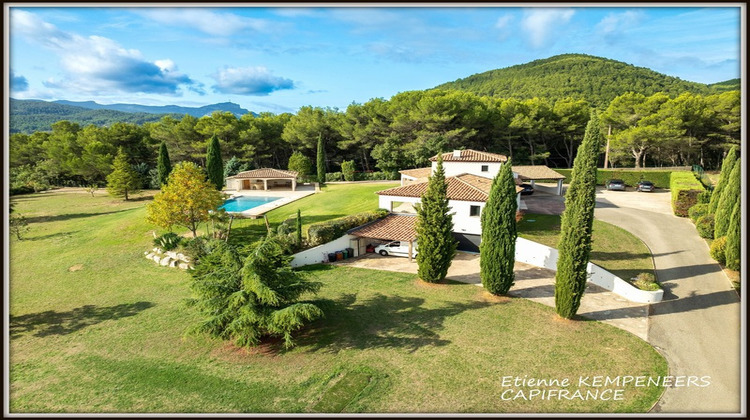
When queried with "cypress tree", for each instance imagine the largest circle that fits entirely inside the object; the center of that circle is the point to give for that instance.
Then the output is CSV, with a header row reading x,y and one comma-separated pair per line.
x,y
214,164
497,251
321,161
163,165
729,196
734,240
577,221
434,227
299,227
123,179
726,169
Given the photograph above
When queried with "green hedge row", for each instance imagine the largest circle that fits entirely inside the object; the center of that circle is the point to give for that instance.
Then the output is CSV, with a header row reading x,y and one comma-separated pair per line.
x,y
631,178
685,189
320,233
364,176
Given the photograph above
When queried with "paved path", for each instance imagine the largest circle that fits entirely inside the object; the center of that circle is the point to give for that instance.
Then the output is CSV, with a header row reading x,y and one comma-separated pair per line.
x,y
697,326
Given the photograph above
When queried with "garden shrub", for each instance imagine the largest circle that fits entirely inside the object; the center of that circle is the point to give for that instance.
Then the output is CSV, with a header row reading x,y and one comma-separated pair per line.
x,y
704,197
718,250
168,241
334,177
348,169
287,227
378,176
646,281
685,189
659,178
320,233
698,210
705,226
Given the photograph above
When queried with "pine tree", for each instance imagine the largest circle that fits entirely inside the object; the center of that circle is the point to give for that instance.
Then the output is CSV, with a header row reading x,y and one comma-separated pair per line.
x,y
123,179
434,227
299,227
163,165
577,221
321,161
726,169
734,238
497,251
729,196
214,164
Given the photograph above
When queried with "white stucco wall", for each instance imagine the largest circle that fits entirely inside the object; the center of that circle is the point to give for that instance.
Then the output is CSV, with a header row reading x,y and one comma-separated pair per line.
x,y
475,168
462,222
232,184
320,253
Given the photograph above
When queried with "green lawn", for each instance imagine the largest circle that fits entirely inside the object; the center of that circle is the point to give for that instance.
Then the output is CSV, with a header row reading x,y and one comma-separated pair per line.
x,y
95,327
613,248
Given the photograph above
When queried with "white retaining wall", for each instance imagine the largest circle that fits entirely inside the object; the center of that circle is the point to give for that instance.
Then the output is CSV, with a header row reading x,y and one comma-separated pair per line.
x,y
320,253
533,253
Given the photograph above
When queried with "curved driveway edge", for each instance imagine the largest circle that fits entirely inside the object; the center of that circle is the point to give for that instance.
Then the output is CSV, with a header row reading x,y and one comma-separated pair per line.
x,y
697,326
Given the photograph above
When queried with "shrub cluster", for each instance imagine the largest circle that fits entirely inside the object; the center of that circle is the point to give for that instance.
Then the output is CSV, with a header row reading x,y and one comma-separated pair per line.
x,y
646,281
363,176
698,210
659,178
320,233
718,250
168,241
685,189
288,226
704,197
705,226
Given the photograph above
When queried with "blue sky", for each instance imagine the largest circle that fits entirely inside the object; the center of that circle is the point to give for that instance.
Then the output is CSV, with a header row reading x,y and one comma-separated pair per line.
x,y
279,59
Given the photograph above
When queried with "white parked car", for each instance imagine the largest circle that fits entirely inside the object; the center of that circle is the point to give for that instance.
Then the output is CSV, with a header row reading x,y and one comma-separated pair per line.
x,y
396,248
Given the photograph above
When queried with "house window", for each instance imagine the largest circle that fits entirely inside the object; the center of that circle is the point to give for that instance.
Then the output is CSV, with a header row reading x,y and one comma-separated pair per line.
x,y
485,168
474,211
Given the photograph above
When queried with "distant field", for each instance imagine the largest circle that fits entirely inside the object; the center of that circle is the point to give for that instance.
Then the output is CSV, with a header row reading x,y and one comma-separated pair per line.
x,y
97,328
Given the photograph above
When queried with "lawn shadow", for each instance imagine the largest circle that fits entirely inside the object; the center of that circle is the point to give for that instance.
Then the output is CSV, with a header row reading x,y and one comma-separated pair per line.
x,y
69,216
617,256
62,323
380,321
50,236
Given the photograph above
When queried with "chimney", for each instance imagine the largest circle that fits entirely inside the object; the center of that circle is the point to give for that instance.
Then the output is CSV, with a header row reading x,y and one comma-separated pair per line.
x,y
456,153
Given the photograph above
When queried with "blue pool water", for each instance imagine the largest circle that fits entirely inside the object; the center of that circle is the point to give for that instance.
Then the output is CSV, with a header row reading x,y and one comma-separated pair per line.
x,y
239,204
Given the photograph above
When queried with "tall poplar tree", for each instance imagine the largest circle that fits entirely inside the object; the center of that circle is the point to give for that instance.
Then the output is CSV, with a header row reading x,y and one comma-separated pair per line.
x,y
726,169
321,160
214,164
733,251
434,227
163,165
123,179
497,251
729,196
577,223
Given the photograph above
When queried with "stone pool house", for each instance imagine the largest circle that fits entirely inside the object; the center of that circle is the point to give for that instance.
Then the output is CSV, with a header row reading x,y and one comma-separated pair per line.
x,y
262,179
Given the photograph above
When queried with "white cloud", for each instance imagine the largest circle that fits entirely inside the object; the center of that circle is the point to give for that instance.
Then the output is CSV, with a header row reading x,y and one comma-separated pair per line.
x,y
614,25
503,21
539,23
255,81
96,64
207,21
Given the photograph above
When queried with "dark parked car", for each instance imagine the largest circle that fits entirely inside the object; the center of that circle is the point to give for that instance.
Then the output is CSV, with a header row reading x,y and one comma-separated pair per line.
x,y
615,185
527,189
645,186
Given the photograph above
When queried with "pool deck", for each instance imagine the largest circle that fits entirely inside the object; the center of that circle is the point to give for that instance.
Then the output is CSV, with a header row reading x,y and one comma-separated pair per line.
x,y
286,197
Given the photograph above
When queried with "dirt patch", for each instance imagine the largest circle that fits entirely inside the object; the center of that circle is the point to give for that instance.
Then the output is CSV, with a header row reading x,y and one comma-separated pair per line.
x,y
489,297
425,285
230,352
75,267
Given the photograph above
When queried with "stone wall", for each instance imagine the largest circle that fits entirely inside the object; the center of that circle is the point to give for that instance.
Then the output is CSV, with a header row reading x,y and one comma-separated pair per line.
x,y
169,258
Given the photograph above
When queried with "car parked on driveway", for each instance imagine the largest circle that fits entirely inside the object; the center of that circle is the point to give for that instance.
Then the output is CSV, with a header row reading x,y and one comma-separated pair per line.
x,y
527,189
645,186
615,185
396,248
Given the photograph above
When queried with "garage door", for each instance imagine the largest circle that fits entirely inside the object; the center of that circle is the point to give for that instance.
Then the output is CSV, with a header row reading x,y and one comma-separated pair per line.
x,y
469,243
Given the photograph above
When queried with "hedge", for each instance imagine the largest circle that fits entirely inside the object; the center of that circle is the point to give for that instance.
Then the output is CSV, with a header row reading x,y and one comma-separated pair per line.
x,y
718,249
631,178
685,189
697,211
364,176
320,233
705,226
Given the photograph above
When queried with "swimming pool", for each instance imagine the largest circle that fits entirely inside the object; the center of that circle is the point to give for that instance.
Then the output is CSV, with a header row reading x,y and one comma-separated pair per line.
x,y
239,204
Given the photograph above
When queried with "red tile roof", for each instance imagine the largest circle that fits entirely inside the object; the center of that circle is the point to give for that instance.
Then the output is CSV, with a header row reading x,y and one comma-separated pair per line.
x,y
396,227
266,173
464,187
470,155
417,173
536,172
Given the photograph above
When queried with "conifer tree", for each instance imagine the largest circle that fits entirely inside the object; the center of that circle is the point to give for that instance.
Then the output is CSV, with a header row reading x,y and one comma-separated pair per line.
x,y
729,196
497,251
734,240
299,227
163,165
321,162
726,168
214,164
434,227
123,179
577,221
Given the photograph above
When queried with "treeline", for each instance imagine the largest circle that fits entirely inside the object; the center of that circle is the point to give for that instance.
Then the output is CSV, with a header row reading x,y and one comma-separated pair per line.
x,y
400,133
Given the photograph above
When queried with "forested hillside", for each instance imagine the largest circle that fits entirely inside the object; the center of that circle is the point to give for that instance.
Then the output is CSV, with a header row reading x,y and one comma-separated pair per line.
x,y
165,109
28,116
594,79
